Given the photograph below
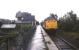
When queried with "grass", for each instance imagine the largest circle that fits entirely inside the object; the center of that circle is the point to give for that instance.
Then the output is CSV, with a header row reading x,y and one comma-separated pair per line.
x,y
73,35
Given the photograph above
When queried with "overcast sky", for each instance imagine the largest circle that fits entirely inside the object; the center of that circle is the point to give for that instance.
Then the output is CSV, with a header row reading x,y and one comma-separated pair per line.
x,y
40,8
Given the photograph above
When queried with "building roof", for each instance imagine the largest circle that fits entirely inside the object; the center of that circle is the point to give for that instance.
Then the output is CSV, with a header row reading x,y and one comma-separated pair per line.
x,y
8,26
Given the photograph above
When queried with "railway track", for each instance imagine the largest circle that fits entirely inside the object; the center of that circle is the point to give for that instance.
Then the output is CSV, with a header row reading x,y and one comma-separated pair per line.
x,y
63,44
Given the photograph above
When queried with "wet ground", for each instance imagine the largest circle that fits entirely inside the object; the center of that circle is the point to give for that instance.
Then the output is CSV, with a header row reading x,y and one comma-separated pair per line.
x,y
37,41
41,41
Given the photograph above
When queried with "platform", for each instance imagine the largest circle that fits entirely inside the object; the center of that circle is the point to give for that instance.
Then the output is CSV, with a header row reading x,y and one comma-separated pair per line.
x,y
50,44
38,42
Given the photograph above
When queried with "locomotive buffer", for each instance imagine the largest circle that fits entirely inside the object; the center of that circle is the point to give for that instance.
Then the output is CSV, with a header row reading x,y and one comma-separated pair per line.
x,y
41,41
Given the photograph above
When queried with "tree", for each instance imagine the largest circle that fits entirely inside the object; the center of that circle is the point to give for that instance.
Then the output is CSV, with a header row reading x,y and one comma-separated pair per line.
x,y
54,16
68,21
72,16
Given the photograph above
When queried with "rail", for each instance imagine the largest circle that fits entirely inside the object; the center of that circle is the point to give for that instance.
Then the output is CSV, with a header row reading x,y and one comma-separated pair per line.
x,y
62,44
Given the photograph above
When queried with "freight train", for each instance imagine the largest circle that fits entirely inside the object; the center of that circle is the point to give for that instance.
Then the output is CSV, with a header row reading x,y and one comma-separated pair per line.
x,y
50,25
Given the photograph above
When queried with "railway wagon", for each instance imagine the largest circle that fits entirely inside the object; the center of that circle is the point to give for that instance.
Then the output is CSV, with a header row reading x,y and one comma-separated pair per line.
x,y
51,26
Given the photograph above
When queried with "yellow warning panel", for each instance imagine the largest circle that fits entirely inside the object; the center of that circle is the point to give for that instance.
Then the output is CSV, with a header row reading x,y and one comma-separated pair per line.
x,y
51,24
